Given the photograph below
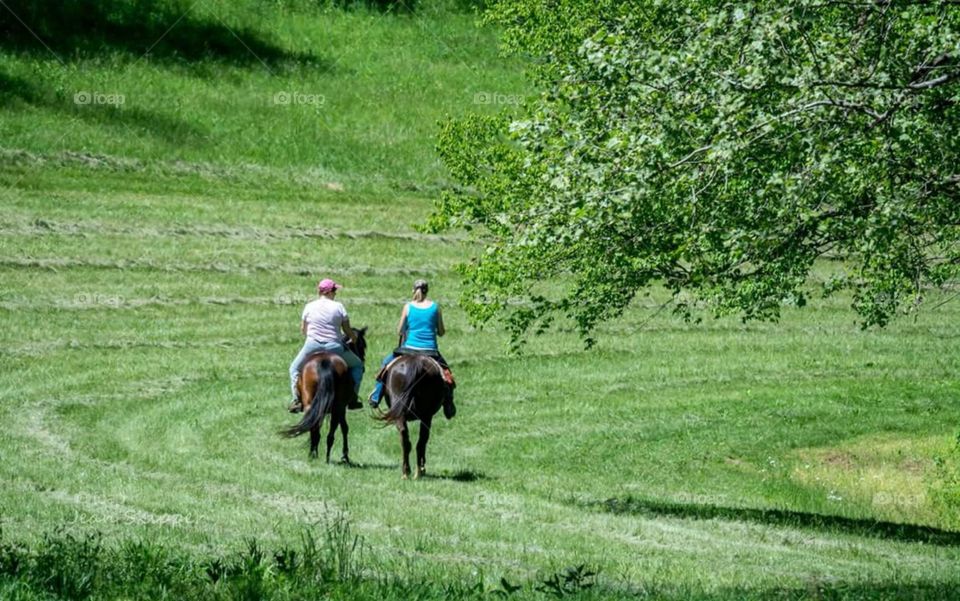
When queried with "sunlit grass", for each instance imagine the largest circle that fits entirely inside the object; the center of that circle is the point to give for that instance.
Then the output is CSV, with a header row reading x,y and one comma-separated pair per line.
x,y
143,387
152,284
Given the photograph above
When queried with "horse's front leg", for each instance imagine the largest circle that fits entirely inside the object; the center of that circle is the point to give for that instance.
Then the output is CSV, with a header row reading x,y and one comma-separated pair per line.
x,y
344,429
331,435
405,447
422,447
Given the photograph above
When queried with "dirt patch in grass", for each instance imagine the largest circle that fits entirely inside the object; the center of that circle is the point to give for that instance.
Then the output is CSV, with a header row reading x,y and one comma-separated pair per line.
x,y
839,460
888,475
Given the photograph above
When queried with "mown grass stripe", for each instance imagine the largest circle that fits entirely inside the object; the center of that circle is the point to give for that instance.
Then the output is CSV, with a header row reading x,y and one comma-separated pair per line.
x,y
95,302
42,227
56,263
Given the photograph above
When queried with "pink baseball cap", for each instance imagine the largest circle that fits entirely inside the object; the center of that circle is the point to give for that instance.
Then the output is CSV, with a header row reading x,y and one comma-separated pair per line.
x,y
328,285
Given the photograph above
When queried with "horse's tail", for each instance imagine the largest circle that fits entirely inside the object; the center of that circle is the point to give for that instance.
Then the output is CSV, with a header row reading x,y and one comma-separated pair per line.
x,y
323,399
399,405
400,401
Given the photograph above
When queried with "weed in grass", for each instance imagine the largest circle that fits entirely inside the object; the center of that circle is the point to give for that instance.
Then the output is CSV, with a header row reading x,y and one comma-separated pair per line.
x,y
67,565
569,581
344,549
11,558
253,574
505,589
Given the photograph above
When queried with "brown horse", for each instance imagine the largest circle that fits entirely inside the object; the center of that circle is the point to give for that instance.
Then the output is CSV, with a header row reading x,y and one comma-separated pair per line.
x,y
414,390
326,387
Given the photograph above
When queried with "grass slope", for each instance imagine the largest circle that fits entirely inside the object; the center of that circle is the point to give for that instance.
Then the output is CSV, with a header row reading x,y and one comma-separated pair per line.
x,y
152,288
351,95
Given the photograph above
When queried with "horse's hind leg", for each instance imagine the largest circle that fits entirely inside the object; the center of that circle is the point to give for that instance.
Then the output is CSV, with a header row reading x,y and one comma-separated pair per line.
x,y
422,448
405,447
314,441
344,429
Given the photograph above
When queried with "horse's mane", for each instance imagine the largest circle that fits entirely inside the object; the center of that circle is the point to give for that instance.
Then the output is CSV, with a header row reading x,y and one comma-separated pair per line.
x,y
360,348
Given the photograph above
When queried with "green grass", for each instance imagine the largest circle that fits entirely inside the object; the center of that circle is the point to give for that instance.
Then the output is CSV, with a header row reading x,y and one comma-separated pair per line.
x,y
143,361
363,110
151,293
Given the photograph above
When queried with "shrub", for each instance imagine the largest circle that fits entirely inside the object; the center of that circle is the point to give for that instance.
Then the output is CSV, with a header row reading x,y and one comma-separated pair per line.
x,y
946,488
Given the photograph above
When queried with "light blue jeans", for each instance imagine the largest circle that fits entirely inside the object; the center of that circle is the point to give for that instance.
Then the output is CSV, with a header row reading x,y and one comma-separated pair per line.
x,y
311,346
378,387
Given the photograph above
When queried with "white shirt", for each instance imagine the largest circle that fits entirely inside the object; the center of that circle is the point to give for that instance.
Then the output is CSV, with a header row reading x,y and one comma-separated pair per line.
x,y
323,317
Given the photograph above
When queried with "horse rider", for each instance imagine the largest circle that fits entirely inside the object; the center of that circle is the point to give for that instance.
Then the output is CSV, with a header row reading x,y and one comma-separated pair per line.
x,y
321,323
421,321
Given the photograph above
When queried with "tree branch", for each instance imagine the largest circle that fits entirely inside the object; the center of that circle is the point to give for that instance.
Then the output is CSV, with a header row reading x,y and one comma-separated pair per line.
x,y
932,83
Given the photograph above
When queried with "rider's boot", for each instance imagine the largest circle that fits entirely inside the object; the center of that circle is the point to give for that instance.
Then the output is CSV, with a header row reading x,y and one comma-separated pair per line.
x,y
374,398
449,409
296,405
354,399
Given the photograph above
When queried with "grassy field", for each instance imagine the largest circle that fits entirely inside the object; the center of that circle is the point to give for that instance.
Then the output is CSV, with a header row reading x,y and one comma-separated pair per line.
x,y
154,262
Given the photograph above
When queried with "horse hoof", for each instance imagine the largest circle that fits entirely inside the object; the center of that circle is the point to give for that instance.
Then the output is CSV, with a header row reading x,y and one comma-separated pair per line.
x,y
345,460
420,473
404,477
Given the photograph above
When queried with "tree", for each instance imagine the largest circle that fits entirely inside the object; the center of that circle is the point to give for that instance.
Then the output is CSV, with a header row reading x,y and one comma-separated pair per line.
x,y
717,149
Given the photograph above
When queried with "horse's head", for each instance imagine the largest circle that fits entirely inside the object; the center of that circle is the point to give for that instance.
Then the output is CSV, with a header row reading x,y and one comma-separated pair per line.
x,y
360,348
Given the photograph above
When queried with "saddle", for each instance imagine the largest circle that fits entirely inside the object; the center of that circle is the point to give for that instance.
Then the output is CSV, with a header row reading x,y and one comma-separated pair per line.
x,y
444,369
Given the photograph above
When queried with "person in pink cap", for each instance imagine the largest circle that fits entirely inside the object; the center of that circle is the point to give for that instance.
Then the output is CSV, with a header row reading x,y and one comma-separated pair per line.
x,y
321,323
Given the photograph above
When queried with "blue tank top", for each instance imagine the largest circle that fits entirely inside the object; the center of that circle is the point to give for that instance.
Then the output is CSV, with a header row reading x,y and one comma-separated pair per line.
x,y
422,327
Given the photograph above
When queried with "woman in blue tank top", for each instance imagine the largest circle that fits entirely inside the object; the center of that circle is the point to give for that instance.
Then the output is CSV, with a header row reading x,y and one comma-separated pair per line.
x,y
420,323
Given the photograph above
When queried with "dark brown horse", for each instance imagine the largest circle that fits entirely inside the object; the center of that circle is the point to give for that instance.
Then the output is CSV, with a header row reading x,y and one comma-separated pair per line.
x,y
414,390
326,387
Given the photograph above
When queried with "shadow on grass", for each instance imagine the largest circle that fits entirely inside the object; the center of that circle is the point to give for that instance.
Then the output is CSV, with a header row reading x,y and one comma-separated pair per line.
x,y
456,476
395,7
165,30
819,591
17,92
780,517
409,7
369,466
